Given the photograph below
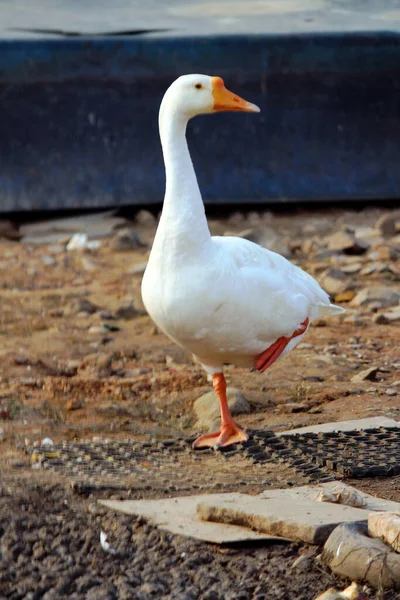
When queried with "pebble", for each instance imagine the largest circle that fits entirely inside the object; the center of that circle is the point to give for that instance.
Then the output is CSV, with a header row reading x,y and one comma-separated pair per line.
x,y
368,374
98,330
139,268
342,241
334,281
128,311
126,239
74,404
145,218
387,224
387,296
391,392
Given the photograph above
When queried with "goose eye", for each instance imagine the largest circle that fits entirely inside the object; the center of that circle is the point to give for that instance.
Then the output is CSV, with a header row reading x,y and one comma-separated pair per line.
x,y
198,86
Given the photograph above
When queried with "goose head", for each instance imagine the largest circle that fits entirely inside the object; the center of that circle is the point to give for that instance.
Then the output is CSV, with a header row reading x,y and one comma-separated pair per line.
x,y
193,95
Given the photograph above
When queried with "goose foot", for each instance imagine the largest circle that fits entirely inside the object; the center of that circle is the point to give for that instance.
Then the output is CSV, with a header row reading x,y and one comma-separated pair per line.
x,y
230,433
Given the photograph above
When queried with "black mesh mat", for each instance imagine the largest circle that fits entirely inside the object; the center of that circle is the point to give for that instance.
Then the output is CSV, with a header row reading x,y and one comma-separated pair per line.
x,y
172,465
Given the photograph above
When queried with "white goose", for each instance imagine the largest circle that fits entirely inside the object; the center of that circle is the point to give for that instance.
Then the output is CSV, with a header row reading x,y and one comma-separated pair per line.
x,y
224,299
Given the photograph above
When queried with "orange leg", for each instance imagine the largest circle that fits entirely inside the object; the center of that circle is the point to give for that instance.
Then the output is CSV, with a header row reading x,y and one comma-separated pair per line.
x,y
230,432
269,356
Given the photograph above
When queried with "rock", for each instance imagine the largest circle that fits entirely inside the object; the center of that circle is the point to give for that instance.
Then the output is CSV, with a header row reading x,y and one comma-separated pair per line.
x,y
79,241
267,238
139,268
349,552
145,218
352,268
106,315
207,410
385,526
98,330
74,404
303,520
387,296
368,374
128,311
126,239
9,230
96,365
342,241
334,281
345,296
391,392
388,317
84,305
386,224
292,407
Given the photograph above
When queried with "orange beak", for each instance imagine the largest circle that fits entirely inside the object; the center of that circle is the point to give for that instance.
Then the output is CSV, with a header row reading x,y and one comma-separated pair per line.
x,y
225,100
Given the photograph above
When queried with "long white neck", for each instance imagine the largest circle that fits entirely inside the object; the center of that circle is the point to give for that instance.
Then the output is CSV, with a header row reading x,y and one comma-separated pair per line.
x,y
183,226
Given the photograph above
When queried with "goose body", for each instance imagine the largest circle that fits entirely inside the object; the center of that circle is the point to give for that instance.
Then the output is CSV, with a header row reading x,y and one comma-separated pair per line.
x,y
224,299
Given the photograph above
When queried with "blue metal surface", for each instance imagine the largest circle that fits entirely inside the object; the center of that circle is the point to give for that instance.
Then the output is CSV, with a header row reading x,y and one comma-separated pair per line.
x,y
78,118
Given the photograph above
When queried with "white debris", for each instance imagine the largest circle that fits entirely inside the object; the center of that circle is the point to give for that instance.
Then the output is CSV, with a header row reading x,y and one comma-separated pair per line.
x,y
47,442
105,545
353,592
347,497
79,241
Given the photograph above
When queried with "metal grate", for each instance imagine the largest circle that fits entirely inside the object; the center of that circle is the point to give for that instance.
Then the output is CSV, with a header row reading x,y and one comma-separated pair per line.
x,y
172,465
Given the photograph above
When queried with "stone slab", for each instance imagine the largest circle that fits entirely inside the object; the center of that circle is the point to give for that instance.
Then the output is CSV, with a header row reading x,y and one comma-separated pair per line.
x,y
356,425
179,516
310,492
299,520
385,526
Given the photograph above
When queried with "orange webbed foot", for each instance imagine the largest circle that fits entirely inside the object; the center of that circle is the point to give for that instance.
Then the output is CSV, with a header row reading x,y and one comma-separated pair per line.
x,y
229,434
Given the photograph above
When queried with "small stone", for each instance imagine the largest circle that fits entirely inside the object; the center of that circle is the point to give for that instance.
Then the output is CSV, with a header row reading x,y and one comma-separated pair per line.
x,y
207,410
387,224
352,268
345,296
391,392
368,374
126,239
388,317
74,404
334,281
72,366
106,315
83,305
387,296
9,230
96,365
145,218
139,268
292,407
98,330
127,312
347,242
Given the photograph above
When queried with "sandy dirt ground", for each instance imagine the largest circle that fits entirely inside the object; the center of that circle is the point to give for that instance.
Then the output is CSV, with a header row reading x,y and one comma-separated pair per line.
x,y
80,358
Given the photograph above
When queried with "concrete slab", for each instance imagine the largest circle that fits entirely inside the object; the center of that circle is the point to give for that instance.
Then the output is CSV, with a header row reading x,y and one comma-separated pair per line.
x,y
356,425
179,516
300,520
310,492
385,526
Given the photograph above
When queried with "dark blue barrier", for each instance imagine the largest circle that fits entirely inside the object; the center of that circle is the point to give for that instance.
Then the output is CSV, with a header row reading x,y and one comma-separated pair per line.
x,y
78,119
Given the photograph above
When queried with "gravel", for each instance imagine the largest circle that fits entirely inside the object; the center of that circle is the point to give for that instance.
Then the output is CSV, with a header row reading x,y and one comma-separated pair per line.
x,y
50,549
